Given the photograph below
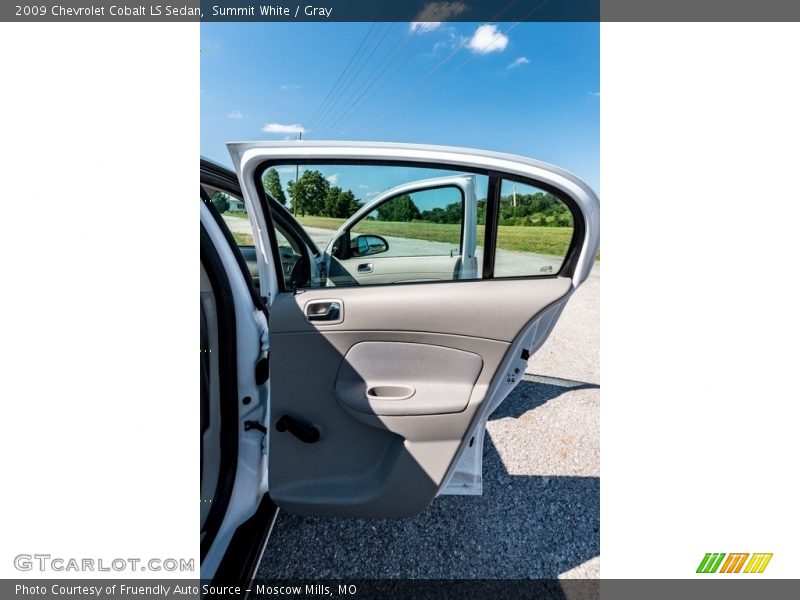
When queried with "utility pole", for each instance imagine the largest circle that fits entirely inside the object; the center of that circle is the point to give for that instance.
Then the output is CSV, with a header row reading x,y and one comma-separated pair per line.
x,y
296,175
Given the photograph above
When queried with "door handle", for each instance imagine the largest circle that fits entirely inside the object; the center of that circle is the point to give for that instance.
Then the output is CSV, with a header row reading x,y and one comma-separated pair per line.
x,y
324,310
365,268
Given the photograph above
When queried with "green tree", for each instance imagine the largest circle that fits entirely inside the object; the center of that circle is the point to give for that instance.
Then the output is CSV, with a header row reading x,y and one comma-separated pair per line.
x,y
220,202
482,211
399,209
339,203
449,214
308,193
272,184
349,203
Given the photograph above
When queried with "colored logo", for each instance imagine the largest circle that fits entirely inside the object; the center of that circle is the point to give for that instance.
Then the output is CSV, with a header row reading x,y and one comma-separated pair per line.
x,y
734,563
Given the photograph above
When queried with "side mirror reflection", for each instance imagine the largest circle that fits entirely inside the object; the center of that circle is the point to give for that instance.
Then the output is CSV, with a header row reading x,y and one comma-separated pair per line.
x,y
367,245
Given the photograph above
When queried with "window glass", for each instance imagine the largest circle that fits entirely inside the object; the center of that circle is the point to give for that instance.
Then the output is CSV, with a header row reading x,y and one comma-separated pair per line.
x,y
291,253
383,224
534,231
234,214
293,256
424,223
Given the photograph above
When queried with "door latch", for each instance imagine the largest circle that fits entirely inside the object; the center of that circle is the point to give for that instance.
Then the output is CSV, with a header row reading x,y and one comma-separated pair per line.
x,y
262,369
250,425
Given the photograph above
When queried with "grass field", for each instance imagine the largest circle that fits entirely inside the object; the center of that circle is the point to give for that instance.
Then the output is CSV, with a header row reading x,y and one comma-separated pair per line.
x,y
553,241
242,239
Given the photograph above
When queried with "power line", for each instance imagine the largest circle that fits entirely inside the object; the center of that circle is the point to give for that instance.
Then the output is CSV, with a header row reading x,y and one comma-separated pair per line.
x,y
357,104
353,60
371,126
341,75
350,81
344,102
427,75
375,123
347,105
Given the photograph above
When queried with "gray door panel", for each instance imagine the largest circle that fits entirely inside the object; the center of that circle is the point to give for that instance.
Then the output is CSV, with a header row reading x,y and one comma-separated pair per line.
x,y
402,379
494,309
387,465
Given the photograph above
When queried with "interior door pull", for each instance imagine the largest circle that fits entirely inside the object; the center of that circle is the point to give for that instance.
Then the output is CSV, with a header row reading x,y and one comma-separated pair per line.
x,y
328,310
365,268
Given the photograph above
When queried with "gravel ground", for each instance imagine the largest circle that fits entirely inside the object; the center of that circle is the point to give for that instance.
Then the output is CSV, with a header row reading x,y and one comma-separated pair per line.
x,y
539,515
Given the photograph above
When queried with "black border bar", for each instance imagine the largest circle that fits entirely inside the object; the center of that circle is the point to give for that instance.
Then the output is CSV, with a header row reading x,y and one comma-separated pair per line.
x,y
287,11
699,588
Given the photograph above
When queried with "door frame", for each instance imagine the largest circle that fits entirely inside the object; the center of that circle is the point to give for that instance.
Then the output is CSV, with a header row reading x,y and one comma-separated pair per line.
x,y
254,158
257,157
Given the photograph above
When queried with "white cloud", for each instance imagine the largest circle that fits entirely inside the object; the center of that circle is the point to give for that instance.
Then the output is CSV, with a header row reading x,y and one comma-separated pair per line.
x,y
279,128
453,42
522,60
424,27
486,39
333,179
234,114
288,87
363,186
432,15
595,94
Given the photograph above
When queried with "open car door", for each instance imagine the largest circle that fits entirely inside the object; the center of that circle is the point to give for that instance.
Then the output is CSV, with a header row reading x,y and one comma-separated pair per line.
x,y
354,255
380,393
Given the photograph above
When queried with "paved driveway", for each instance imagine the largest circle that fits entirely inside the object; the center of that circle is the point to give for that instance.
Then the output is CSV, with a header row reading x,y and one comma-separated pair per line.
x,y
539,515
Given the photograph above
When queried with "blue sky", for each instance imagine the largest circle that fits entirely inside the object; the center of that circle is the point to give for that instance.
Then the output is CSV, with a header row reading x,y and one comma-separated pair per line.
x,y
526,88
